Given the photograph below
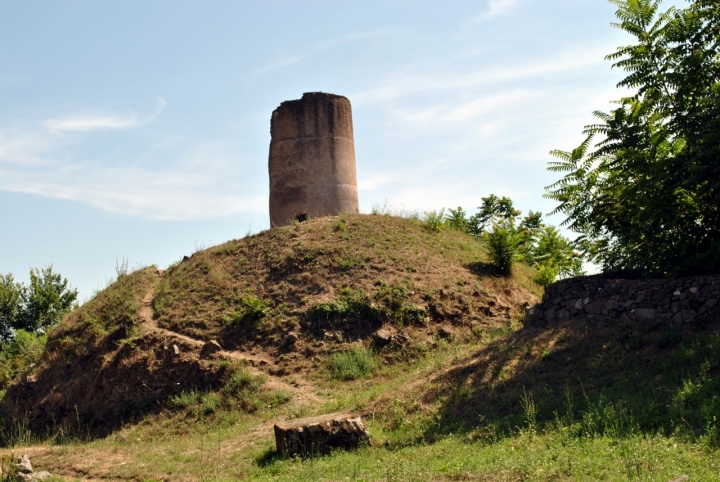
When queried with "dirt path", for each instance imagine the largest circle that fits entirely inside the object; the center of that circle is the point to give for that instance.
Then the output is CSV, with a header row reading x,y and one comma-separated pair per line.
x,y
303,392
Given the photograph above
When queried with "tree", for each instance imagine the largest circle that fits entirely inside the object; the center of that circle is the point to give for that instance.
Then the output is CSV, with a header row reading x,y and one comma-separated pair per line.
x,y
10,292
34,308
646,196
510,241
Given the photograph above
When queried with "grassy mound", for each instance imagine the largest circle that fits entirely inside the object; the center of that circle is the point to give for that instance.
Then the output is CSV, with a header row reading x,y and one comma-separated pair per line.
x,y
346,275
326,285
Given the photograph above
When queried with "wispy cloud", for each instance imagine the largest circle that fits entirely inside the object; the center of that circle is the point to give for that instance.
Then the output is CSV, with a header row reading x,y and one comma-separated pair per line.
x,y
25,149
404,83
497,7
152,195
286,59
102,122
184,181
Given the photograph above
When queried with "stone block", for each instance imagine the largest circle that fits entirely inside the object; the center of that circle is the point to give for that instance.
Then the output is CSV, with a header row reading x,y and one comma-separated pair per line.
x,y
209,349
688,315
319,435
645,314
595,307
549,316
611,304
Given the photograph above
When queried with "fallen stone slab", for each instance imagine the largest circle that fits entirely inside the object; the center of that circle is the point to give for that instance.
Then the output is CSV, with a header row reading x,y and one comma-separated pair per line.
x,y
307,437
25,473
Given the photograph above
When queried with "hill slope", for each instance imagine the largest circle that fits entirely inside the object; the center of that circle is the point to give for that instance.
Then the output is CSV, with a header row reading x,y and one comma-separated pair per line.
x,y
280,302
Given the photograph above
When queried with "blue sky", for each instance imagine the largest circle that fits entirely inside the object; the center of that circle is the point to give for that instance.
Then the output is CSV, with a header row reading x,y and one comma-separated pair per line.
x,y
140,129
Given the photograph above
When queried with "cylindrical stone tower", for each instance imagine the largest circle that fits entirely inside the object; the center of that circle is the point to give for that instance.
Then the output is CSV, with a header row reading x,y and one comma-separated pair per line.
x,y
312,159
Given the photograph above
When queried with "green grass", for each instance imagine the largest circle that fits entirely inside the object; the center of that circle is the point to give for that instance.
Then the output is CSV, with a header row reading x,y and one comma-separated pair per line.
x,y
538,457
358,362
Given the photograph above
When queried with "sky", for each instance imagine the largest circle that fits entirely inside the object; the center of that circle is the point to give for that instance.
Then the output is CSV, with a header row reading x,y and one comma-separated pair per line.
x,y
139,130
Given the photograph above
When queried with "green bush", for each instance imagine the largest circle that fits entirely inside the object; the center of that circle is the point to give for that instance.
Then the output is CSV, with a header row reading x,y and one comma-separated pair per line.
x,y
17,355
252,309
546,274
185,399
434,220
242,390
503,245
210,403
352,364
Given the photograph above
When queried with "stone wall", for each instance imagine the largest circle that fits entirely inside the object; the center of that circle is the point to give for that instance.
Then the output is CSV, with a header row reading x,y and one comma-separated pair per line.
x,y
682,300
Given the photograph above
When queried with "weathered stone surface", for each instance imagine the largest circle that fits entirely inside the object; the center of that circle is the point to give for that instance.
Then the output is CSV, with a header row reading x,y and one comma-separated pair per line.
x,y
312,159
39,476
25,471
645,314
596,298
318,435
209,349
381,338
23,464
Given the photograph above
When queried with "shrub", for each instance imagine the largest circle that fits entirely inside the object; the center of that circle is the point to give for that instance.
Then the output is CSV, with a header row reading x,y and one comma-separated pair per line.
x,y
185,399
352,364
434,220
243,390
503,243
546,274
210,403
17,355
349,303
241,383
252,309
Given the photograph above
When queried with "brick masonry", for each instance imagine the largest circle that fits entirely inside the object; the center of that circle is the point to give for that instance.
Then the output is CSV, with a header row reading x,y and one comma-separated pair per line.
x,y
595,298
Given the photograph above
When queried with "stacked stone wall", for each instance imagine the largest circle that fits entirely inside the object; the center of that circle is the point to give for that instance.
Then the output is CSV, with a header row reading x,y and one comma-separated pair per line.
x,y
682,300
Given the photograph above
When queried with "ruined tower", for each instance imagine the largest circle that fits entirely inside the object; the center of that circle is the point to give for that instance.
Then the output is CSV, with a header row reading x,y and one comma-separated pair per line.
x,y
312,159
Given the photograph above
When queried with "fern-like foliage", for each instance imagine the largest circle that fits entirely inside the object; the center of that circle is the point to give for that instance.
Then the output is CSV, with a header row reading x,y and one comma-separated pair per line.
x,y
643,189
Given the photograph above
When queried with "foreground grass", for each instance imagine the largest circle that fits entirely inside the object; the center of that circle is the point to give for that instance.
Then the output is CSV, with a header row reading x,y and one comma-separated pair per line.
x,y
527,456
551,455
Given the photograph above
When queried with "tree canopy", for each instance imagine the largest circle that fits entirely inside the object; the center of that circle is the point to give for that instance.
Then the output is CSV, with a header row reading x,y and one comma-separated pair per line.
x,y
34,308
643,189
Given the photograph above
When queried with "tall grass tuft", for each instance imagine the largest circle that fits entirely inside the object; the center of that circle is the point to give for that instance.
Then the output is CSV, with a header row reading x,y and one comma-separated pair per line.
x,y
358,362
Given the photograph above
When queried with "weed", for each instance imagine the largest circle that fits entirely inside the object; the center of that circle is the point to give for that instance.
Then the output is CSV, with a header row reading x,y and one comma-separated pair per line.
x,y
252,310
185,399
357,362
341,225
349,303
210,403
121,268
434,220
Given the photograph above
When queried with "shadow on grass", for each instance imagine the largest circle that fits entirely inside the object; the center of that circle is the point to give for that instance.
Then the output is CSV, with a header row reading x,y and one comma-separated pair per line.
x,y
484,269
269,457
648,377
